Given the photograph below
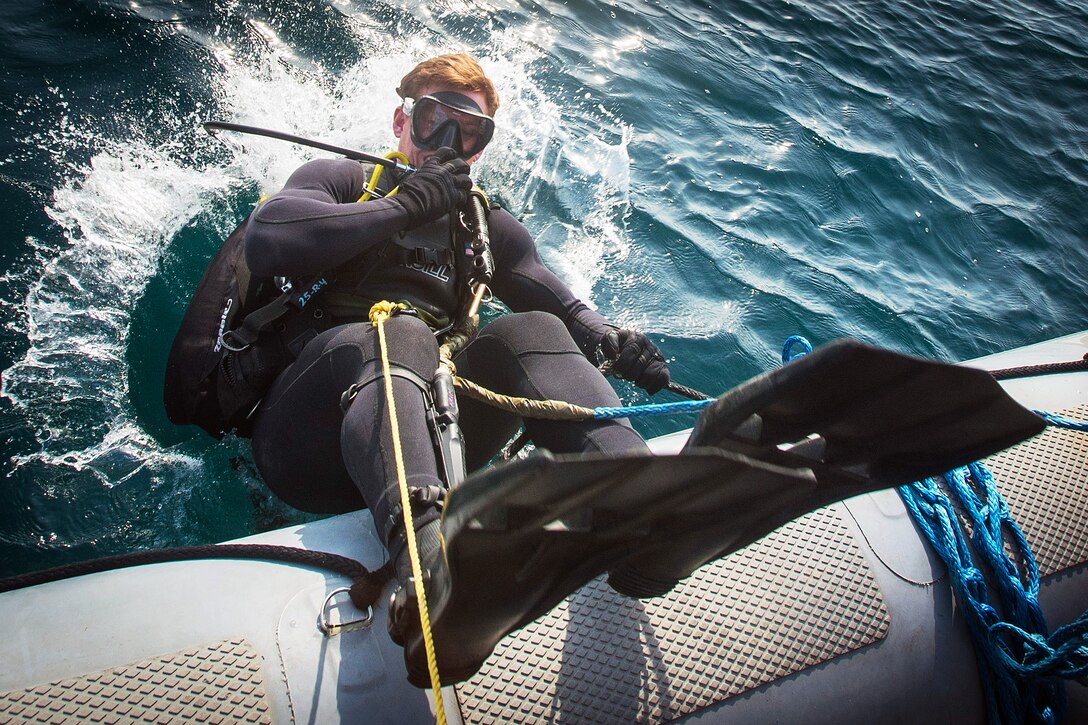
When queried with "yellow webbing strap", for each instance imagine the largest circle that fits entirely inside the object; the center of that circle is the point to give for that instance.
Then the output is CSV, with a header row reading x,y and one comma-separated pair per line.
x,y
379,313
377,174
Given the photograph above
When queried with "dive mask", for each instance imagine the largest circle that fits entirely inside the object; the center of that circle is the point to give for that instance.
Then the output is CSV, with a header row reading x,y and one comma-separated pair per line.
x,y
449,119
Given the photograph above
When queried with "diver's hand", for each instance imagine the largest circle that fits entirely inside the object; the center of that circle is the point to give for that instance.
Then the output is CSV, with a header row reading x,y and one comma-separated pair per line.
x,y
435,188
635,358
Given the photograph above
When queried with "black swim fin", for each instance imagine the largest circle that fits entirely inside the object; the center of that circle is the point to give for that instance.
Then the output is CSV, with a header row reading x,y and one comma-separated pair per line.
x,y
521,536
880,414
860,418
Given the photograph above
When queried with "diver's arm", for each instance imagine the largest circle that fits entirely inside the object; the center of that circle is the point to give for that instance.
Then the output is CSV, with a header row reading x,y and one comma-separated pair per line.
x,y
523,282
312,225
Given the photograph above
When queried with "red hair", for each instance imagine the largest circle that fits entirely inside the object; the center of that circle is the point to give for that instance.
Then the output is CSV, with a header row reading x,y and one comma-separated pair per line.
x,y
457,71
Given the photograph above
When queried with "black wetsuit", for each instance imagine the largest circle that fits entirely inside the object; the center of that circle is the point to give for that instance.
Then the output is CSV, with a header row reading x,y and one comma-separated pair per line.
x,y
319,456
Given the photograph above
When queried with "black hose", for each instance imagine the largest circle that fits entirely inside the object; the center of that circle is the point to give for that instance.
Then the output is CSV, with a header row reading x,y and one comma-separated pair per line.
x,y
213,126
366,583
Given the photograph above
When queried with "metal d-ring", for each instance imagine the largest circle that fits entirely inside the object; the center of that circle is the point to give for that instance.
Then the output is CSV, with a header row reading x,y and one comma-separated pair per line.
x,y
331,630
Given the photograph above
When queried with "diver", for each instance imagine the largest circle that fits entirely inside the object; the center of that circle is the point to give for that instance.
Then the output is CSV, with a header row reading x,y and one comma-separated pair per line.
x,y
304,376
321,434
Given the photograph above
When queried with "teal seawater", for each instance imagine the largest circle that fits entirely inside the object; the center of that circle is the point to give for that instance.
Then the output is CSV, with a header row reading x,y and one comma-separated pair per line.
x,y
721,175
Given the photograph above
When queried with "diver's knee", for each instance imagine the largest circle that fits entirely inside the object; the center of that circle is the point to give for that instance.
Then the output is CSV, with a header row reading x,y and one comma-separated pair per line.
x,y
531,320
399,329
409,328
532,330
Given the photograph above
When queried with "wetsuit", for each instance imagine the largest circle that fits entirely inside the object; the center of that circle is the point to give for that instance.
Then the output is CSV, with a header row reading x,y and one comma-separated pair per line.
x,y
319,449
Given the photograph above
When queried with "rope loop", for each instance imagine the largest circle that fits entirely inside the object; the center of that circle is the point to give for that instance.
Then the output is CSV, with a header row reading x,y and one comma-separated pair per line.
x,y
382,311
1021,666
792,342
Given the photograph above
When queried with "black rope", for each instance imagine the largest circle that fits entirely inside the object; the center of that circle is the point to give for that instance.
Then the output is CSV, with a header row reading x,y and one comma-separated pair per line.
x,y
1028,371
689,393
1025,371
682,390
367,583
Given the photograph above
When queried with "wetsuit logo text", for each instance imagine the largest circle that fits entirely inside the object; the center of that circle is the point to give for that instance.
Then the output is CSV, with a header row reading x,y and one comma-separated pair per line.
x,y
441,272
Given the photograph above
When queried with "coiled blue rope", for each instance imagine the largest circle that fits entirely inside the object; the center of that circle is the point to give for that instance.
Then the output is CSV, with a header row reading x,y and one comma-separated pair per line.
x,y
1021,667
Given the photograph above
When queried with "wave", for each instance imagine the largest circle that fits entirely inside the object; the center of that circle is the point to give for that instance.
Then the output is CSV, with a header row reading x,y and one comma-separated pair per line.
x,y
150,174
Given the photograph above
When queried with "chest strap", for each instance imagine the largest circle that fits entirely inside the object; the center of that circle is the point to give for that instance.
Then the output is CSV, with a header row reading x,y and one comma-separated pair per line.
x,y
422,256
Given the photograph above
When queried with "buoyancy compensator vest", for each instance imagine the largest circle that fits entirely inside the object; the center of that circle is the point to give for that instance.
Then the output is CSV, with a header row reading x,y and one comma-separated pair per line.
x,y
219,366
417,268
240,332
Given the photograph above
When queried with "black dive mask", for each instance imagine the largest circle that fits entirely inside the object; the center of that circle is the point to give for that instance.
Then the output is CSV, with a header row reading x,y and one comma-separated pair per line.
x,y
449,119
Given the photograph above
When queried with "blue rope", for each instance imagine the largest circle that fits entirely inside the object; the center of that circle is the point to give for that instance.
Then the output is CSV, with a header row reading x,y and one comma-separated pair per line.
x,y
633,411
1020,666
1062,655
788,348
789,352
1060,421
687,406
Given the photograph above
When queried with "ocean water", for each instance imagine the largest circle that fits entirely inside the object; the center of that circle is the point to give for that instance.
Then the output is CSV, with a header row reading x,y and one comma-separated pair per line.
x,y
720,175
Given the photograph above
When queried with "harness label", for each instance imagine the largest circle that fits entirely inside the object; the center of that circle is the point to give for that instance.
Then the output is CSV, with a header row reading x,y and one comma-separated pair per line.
x,y
308,295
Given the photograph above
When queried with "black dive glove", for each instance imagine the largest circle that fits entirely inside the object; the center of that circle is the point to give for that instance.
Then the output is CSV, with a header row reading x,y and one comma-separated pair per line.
x,y
635,358
435,188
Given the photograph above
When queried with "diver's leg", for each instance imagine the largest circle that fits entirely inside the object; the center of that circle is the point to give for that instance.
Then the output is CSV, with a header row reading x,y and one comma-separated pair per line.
x,y
532,355
529,355
296,434
311,443
413,356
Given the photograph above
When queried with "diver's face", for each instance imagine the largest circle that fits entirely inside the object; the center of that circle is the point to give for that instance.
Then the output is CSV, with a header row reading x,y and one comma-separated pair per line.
x,y
402,128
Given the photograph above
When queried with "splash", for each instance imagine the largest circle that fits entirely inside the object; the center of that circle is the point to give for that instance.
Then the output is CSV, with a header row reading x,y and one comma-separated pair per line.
x,y
119,212
117,217
564,169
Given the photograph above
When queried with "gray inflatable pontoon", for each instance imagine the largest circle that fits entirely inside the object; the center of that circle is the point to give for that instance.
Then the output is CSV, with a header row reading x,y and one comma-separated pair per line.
x,y
842,616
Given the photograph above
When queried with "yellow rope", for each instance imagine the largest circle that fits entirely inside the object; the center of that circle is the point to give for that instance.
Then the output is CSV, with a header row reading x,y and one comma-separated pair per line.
x,y
376,174
526,407
379,313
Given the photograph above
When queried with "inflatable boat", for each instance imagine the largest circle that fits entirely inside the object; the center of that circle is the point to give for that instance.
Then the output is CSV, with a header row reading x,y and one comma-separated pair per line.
x,y
843,615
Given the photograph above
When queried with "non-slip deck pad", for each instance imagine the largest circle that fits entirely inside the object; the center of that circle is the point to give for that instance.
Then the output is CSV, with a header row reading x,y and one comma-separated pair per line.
x,y
1045,483
218,683
519,538
801,596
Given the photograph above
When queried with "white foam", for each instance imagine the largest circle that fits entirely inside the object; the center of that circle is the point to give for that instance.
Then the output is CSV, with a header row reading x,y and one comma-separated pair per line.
x,y
120,213
117,218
